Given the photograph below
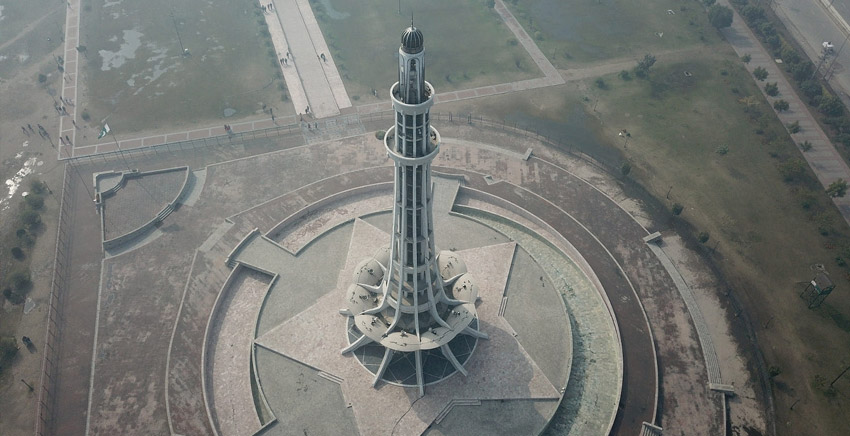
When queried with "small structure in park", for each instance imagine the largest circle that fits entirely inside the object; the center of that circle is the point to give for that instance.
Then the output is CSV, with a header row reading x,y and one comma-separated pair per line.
x,y
411,310
817,290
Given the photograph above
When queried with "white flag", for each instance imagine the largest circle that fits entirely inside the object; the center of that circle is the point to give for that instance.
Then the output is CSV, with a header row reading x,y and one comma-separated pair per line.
x,y
103,131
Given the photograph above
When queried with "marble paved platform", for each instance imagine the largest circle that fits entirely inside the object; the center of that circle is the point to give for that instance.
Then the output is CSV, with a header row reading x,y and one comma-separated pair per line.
x,y
499,369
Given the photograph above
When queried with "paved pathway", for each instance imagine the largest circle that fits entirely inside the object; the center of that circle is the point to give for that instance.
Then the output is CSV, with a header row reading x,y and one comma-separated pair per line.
x,y
306,44
67,124
823,158
290,73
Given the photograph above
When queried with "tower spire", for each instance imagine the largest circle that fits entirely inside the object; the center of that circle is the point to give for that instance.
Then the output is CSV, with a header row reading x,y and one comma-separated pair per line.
x,y
411,303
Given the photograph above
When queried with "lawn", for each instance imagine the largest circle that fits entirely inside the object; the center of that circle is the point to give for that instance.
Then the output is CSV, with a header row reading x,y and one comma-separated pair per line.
x,y
29,31
16,15
711,141
466,44
581,31
135,75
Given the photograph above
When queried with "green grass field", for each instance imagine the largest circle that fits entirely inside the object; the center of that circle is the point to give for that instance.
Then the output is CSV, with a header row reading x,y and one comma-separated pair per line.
x,y
16,15
581,31
466,43
711,141
135,75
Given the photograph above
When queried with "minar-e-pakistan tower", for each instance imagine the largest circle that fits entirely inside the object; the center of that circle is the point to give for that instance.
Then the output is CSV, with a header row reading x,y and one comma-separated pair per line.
x,y
411,310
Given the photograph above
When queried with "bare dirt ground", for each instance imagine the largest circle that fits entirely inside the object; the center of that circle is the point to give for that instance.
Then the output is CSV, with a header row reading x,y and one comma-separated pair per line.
x,y
25,101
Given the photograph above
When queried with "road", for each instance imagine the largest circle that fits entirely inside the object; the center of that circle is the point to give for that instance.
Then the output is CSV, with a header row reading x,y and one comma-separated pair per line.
x,y
814,21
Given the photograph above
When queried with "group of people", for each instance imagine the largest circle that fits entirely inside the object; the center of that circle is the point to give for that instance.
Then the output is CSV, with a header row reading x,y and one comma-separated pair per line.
x,y
267,8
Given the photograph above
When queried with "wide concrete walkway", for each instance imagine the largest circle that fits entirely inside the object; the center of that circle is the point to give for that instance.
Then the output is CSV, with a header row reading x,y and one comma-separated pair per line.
x,y
67,124
823,158
319,78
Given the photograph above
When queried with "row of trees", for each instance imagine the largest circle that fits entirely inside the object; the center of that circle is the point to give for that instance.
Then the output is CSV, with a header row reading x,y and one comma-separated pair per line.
x,y
18,282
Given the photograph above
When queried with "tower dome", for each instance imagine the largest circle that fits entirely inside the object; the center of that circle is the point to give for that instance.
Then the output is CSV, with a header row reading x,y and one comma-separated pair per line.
x,y
412,40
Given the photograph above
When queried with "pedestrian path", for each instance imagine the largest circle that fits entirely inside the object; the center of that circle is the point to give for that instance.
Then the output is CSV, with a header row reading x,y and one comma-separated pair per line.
x,y
67,123
287,64
306,49
823,158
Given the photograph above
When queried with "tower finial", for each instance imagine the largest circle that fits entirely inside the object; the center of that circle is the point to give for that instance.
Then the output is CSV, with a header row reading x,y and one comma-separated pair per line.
x,y
411,18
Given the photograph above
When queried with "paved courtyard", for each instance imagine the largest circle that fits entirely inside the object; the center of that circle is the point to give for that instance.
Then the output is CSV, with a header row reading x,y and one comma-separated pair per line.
x,y
161,293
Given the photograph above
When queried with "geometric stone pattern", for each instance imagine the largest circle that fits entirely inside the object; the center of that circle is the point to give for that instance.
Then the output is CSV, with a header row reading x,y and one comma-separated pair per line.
x,y
499,369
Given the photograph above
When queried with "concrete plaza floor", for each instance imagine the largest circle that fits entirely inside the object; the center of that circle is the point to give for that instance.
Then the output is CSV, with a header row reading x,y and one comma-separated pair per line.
x,y
154,302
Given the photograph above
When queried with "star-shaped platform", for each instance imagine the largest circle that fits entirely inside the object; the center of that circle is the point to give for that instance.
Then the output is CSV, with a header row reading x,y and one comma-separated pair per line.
x,y
499,369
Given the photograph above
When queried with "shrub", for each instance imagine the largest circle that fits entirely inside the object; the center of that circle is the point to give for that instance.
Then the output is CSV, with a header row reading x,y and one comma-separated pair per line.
x,y
513,41
772,89
677,209
380,135
31,218
794,127
802,71
806,146
37,186
781,105
703,237
85,115
751,13
720,16
643,65
709,3
837,188
722,150
746,58
42,78
760,73
13,297
811,89
625,168
8,348
774,371
17,253
831,106
789,55
792,169
20,280
601,84
625,75
34,201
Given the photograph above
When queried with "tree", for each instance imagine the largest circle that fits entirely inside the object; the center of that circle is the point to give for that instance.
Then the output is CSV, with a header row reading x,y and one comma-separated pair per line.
x,y
771,89
643,65
831,105
21,280
8,348
837,188
780,105
34,201
31,218
720,16
42,78
703,237
751,13
626,168
677,209
811,88
802,71
760,73
709,3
